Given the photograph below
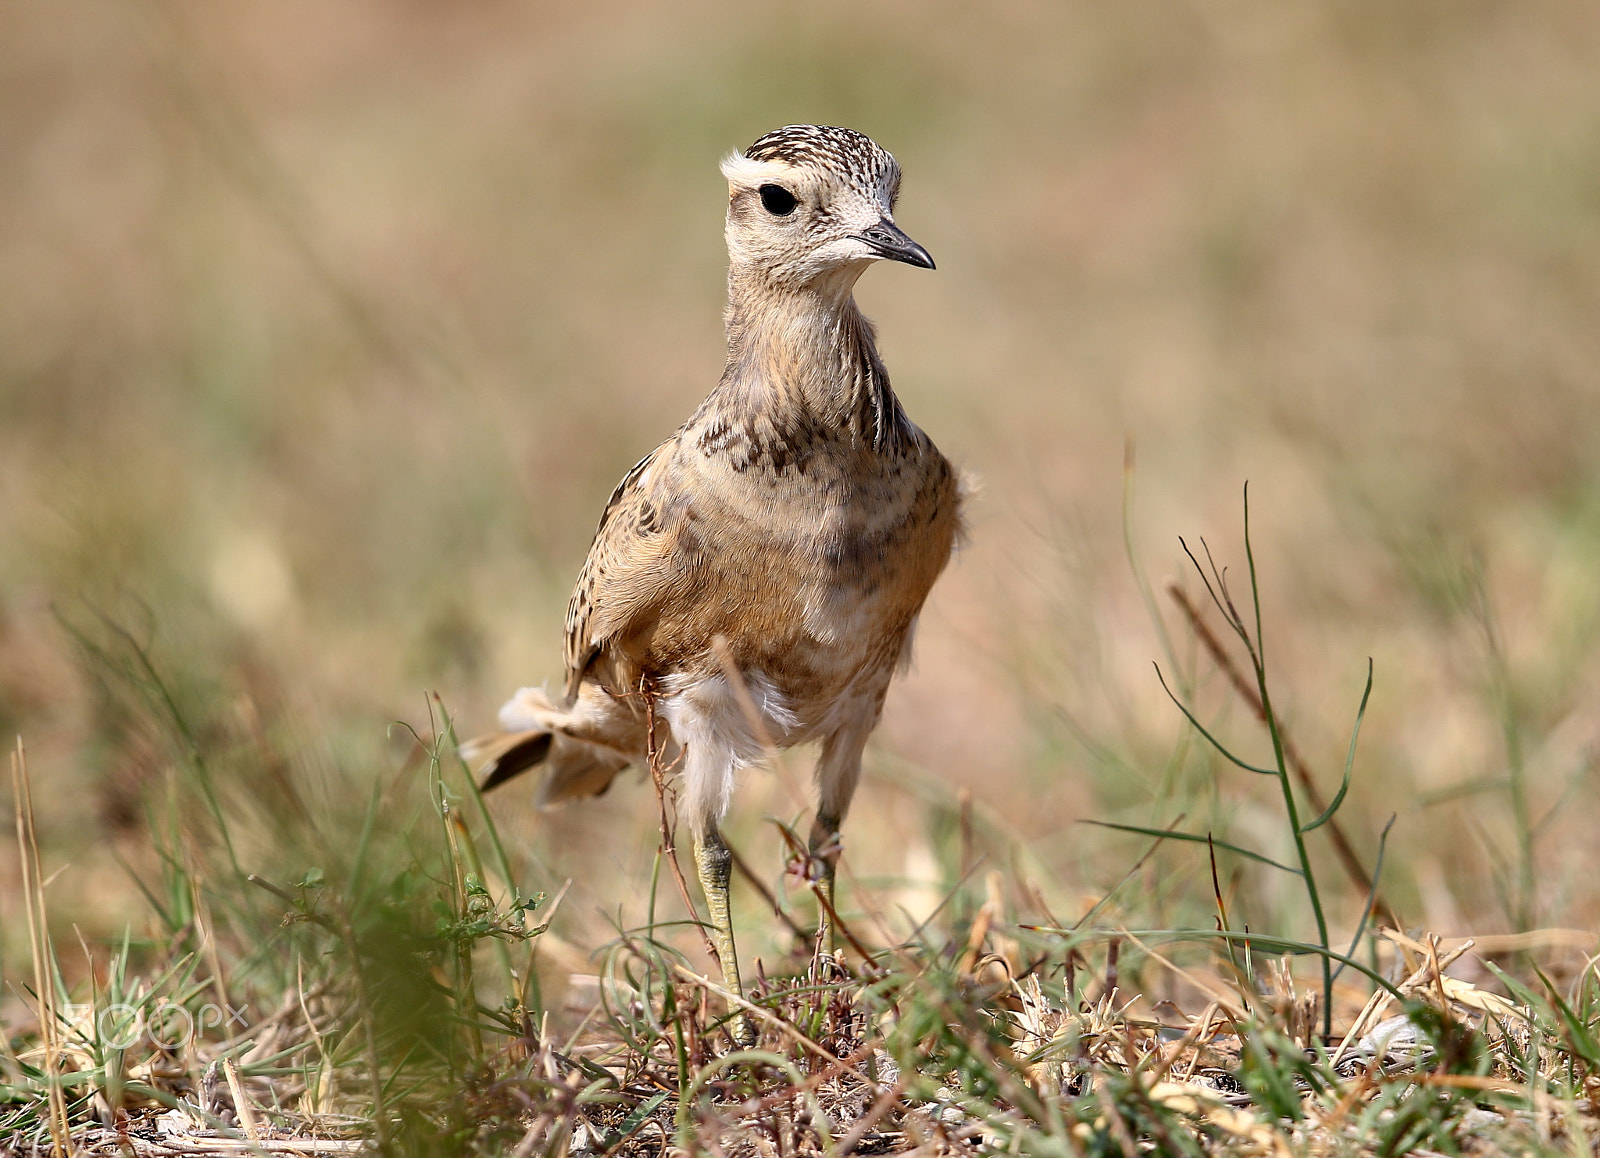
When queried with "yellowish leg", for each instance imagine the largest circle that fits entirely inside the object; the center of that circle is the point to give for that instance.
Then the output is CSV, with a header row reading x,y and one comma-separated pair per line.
x,y
714,863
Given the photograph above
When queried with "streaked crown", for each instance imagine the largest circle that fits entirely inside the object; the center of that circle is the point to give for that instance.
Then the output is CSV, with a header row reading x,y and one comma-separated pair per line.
x,y
851,156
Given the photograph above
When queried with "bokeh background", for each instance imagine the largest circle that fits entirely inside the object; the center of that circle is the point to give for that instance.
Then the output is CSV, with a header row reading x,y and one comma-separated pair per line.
x,y
325,331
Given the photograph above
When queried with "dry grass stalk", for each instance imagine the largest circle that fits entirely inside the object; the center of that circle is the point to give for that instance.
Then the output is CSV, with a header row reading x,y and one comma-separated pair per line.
x,y
1378,1004
44,974
242,1104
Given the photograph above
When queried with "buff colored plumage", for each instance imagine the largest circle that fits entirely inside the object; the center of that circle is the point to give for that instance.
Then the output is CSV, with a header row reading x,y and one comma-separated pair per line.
x,y
793,526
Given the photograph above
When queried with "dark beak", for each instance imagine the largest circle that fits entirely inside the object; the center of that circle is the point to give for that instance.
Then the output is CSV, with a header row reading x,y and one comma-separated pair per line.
x,y
890,242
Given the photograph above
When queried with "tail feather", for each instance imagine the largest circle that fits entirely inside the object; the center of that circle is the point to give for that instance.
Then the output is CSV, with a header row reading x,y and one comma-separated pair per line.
x,y
571,767
576,769
503,756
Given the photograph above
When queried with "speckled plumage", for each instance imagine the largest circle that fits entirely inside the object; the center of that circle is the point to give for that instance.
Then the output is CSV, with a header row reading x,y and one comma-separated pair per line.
x,y
793,526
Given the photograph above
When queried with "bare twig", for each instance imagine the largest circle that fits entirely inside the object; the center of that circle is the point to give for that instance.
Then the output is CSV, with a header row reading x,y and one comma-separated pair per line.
x,y
669,830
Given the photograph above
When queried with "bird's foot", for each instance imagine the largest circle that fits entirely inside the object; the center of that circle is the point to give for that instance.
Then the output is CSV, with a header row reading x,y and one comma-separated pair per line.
x,y
805,868
743,1031
828,967
813,866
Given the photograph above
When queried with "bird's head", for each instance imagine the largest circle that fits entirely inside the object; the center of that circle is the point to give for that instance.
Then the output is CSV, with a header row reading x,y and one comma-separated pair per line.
x,y
810,202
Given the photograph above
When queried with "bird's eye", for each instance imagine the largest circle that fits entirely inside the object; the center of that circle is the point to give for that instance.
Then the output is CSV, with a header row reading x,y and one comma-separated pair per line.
x,y
778,201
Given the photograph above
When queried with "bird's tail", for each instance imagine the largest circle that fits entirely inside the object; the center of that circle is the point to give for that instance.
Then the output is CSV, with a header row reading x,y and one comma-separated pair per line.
x,y
571,767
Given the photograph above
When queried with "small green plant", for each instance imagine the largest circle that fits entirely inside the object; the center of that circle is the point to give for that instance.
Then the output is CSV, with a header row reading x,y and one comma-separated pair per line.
x,y
1250,635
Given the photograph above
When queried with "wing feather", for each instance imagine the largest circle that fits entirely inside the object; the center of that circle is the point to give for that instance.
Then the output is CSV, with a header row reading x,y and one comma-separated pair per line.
x,y
628,572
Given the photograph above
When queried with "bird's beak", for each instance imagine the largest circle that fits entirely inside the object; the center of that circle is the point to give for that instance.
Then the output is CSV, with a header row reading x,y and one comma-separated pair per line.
x,y
887,238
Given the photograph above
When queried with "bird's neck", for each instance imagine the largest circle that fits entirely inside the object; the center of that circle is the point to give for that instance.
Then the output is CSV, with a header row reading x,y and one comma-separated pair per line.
x,y
808,351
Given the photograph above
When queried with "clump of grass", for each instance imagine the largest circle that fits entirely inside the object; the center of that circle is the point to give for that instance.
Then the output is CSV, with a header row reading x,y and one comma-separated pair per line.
x,y
372,992
1025,1052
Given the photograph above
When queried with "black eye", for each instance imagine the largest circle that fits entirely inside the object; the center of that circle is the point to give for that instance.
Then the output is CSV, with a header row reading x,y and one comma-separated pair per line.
x,y
778,200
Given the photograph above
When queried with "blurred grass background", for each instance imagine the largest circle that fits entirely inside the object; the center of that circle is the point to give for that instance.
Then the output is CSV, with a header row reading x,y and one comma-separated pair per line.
x,y
325,332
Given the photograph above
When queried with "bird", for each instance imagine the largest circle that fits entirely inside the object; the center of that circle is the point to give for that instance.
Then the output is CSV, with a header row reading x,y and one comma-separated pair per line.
x,y
756,580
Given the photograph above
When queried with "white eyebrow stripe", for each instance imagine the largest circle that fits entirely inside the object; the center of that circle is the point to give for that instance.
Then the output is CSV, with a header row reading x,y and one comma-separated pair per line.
x,y
741,170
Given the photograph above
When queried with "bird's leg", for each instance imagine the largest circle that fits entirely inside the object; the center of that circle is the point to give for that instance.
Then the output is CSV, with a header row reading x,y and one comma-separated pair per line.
x,y
823,848
714,863
838,771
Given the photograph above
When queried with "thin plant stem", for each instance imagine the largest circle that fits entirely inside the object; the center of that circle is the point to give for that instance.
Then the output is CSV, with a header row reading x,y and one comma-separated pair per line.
x,y
1342,846
1258,659
669,847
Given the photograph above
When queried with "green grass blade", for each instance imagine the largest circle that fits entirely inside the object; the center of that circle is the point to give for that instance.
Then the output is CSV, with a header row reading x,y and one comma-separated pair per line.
x,y
1349,760
1259,941
1201,728
1194,839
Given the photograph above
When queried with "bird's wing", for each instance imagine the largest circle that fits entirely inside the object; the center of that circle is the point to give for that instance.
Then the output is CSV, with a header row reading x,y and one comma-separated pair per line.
x,y
633,568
